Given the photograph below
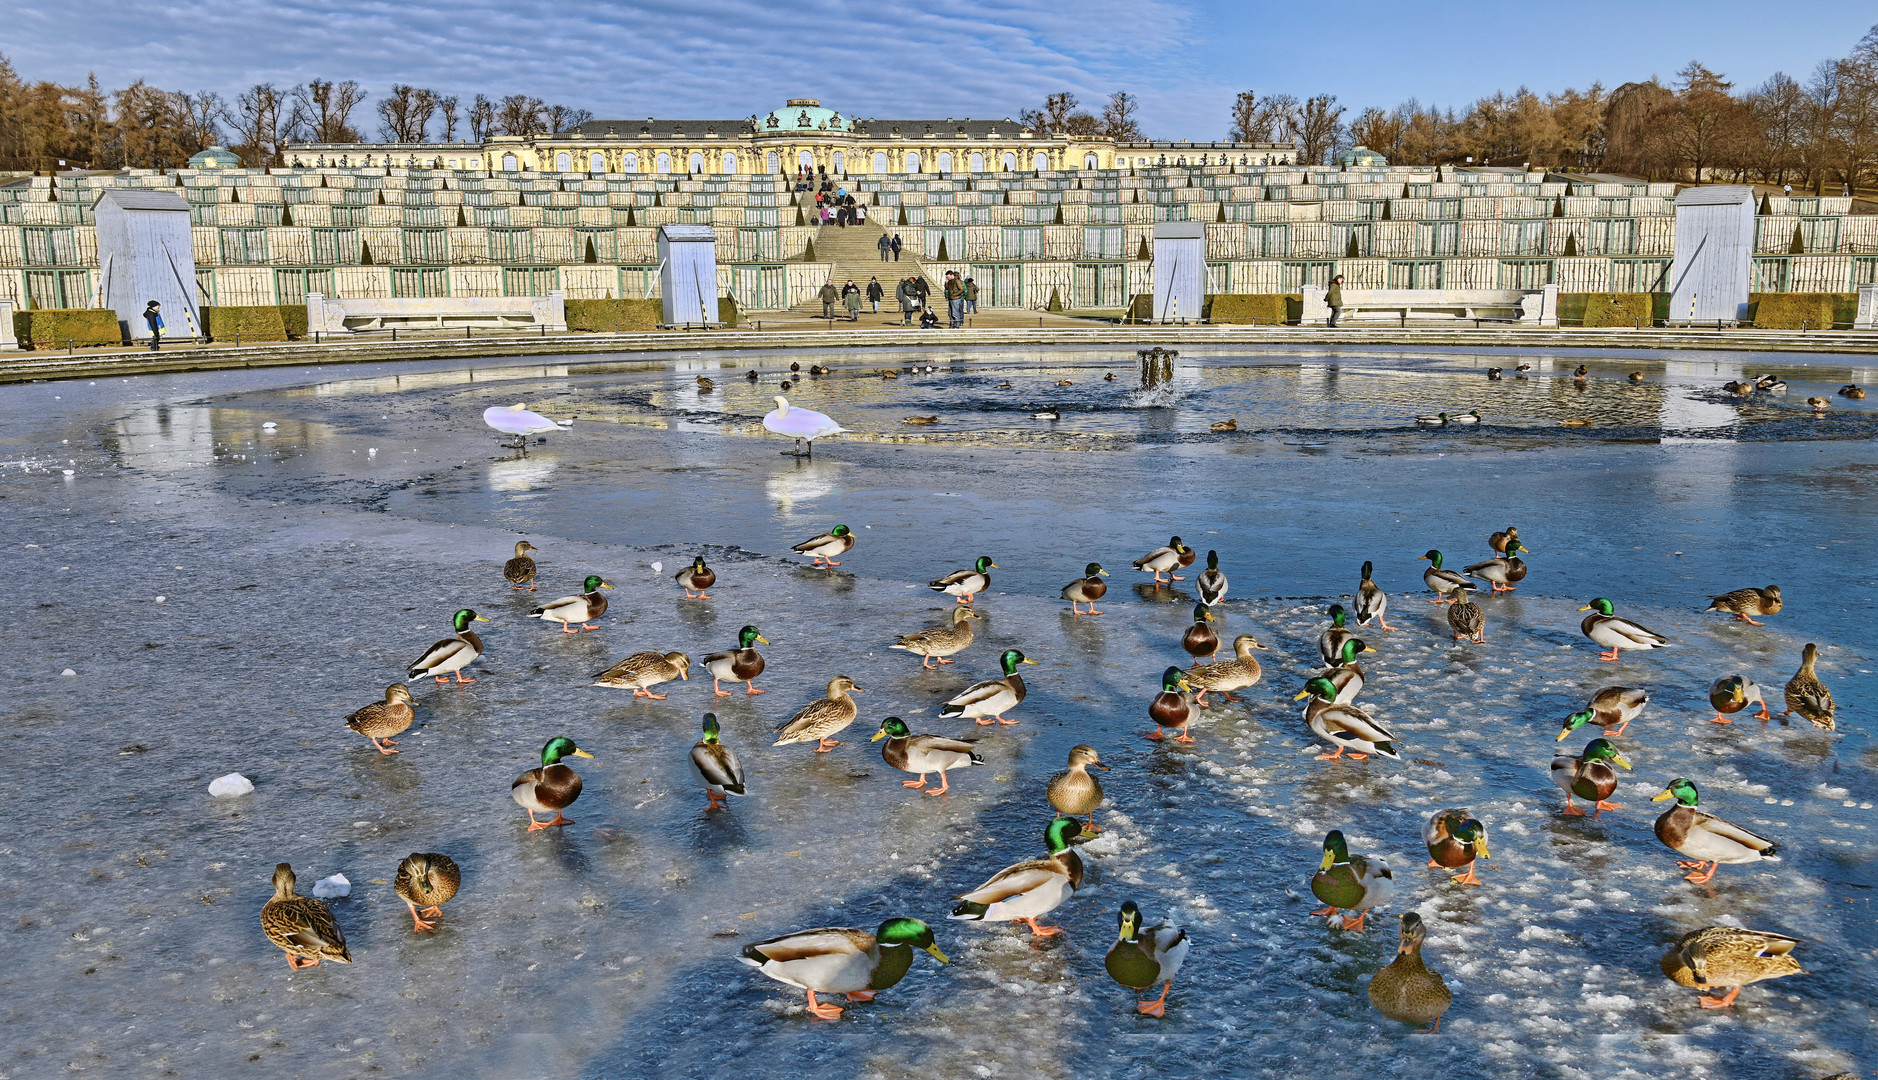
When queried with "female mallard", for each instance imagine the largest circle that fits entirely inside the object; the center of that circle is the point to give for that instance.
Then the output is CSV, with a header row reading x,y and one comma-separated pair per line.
x,y
1212,581
1589,776
1236,674
923,754
1165,560
1506,541
1444,582
380,720
716,766
568,610
741,664
1706,838
1502,572
452,654
427,881
1145,955
642,671
838,960
1466,621
1345,726
1853,391
1731,956
301,926
1614,633
1819,404
1371,601
1456,838
1612,708
1407,990
941,641
993,697
1347,675
1744,604
1201,641
1225,425
520,570
822,717
1171,708
1350,882
696,576
551,788
823,549
1330,642
1023,891
966,584
1808,696
1732,693
1073,791
1087,589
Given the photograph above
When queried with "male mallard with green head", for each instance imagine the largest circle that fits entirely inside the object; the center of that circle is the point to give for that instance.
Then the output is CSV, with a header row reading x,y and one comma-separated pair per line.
x,y
696,576
988,701
1171,708
1705,838
741,664
1074,791
966,584
1212,582
1744,604
1350,882
452,654
1371,601
822,717
823,549
1145,955
1345,726
1346,675
839,960
1241,671
716,765
1731,956
583,608
1165,560
1087,589
940,642
922,754
1023,891
1614,633
1733,693
1330,642
1612,708
1807,695
427,881
1456,838
1201,641
642,671
1447,584
519,571
301,926
551,788
380,720
1589,776
1407,990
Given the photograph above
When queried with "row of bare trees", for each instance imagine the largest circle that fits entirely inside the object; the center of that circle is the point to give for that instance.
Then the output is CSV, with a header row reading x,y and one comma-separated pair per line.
x,y
43,124
1062,114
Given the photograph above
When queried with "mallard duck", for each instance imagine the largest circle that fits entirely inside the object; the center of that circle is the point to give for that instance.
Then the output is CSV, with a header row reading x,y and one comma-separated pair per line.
x,y
1074,791
1505,540
1493,374
1330,642
1853,391
1738,389
1808,696
1456,838
1023,891
1636,376
1407,990
642,671
1005,385
1523,369
1466,621
520,570
301,926
1444,582
1769,384
1744,604
1345,726
1471,416
1437,420
1819,404
705,385
1228,675
1612,708
1731,956
1345,674
1212,582
1164,560
989,700
568,610
823,549
380,720
750,375
924,753
1047,414
696,576
940,642
920,421
551,788
1732,693
452,654
427,881
1704,837
1616,634
1350,882
1581,372
1145,955
822,717
840,960
1201,641
1225,425
1087,589
716,765
1589,776
1371,601
1109,377
741,664
966,584
1171,708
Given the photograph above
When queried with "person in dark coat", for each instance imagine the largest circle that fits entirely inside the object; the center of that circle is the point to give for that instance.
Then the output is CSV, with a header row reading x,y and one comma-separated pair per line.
x,y
830,297
851,299
1333,299
909,300
971,297
874,293
924,290
885,244
153,318
955,301
896,247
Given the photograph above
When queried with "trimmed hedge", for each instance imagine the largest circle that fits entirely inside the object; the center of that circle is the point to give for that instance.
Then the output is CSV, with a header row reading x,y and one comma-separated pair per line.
x,y
613,316
1266,309
1606,309
293,318
727,312
1788,311
260,323
52,328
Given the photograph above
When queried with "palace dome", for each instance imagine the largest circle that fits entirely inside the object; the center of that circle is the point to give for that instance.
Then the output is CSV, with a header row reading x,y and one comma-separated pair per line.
x,y
803,114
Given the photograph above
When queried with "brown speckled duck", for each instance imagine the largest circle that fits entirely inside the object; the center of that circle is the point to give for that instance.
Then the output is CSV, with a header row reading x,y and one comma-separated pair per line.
x,y
380,720
1744,604
520,570
301,926
1808,696
427,881
1408,990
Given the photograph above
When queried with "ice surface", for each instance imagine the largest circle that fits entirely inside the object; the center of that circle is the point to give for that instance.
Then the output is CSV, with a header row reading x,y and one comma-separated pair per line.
x,y
328,888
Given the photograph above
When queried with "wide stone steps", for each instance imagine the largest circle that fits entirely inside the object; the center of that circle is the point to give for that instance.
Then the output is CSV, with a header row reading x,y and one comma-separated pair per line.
x,y
855,253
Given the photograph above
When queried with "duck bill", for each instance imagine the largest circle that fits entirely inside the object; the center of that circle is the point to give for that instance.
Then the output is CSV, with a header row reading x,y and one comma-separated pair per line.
x,y
1103,573
604,585
1480,846
1367,648
1099,765
855,690
582,753
936,954
878,735
1301,695
1424,558
1031,662
762,639
1660,796
995,566
1587,607
1562,734
1330,859
1621,760
482,618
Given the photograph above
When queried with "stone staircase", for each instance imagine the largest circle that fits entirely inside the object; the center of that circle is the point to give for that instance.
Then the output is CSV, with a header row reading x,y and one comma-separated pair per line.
x,y
855,253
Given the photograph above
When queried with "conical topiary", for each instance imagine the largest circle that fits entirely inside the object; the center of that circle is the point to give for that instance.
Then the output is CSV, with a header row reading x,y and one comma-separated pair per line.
x,y
592,256
943,257
1797,246
1558,206
1142,252
1767,206
1387,214
808,251
1352,251
365,253
1056,300
1222,213
1571,245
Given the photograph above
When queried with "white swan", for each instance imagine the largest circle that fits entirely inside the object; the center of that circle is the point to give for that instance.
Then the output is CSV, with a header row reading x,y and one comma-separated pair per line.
x,y
800,424
516,420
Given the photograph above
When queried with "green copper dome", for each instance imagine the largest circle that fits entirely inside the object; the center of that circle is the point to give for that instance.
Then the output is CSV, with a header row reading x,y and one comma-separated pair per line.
x,y
215,157
803,114
1361,157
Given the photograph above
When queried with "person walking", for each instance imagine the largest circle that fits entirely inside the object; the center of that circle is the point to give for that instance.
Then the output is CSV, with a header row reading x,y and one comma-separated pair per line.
x,y
955,301
896,247
885,244
971,296
851,299
153,318
924,290
909,300
830,297
860,214
874,293
1333,299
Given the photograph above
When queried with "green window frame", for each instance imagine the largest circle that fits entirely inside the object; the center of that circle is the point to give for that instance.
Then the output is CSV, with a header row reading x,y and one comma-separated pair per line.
x,y
244,247
426,245
291,286
529,281
419,282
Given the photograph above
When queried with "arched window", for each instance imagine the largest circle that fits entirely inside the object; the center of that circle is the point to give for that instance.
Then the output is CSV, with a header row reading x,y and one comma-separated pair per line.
x,y
695,164
662,163
596,162
629,163
1009,163
563,162
945,162
912,161
880,163
508,163
806,160
839,162
1041,162
771,163
1090,161
977,162
730,164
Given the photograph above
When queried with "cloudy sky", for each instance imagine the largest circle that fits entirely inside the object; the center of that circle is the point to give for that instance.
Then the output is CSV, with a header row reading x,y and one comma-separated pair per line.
x,y
1184,59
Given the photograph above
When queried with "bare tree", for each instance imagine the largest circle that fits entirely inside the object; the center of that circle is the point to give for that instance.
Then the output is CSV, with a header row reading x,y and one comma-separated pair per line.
x,y
1053,118
1259,121
1318,125
423,107
521,115
398,114
446,108
322,110
1380,131
1244,115
1120,117
482,119
257,119
202,116
1705,120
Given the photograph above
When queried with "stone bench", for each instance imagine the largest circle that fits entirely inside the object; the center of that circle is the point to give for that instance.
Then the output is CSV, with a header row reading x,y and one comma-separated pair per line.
x,y
340,315
1526,307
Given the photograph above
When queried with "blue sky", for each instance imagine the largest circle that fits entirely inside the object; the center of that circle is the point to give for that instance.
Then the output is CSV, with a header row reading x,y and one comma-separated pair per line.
x,y
1184,59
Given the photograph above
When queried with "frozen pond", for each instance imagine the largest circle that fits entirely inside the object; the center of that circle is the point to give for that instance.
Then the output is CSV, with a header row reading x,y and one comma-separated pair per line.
x,y
225,593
